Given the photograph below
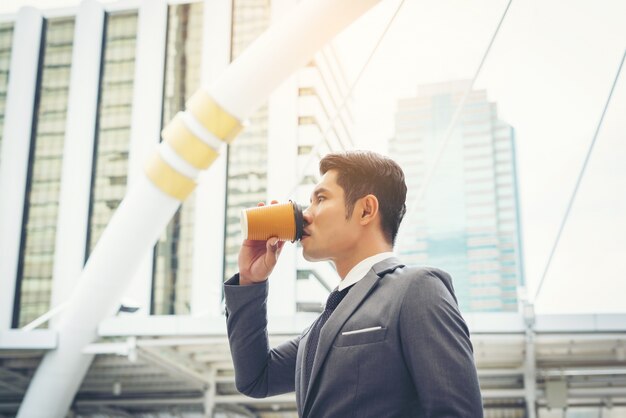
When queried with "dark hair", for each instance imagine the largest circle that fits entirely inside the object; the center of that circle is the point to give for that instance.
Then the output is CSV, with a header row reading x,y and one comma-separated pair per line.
x,y
360,173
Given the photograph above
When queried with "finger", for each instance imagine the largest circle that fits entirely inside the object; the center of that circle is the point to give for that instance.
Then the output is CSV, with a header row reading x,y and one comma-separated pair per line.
x,y
272,244
274,202
260,204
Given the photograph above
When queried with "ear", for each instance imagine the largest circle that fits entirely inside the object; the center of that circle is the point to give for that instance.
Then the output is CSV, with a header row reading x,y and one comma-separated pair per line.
x,y
368,209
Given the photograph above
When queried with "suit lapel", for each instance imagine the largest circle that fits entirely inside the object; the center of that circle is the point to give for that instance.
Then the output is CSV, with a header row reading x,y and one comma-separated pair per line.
x,y
301,357
351,302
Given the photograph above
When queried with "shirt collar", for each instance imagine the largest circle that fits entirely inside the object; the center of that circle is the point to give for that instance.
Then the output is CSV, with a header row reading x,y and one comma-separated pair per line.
x,y
360,270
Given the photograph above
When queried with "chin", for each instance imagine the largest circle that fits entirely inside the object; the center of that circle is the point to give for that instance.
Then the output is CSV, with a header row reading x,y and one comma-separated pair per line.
x,y
310,257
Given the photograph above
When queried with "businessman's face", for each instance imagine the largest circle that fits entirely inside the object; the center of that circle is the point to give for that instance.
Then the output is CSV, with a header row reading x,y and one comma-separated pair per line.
x,y
328,235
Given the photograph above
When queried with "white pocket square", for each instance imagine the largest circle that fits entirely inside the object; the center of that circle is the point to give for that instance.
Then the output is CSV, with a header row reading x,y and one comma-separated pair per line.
x,y
360,331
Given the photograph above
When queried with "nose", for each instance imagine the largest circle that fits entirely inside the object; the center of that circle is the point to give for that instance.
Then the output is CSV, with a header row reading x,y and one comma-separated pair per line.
x,y
306,216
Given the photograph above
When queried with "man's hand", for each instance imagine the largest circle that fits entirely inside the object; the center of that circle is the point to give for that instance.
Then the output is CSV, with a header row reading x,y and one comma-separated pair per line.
x,y
257,259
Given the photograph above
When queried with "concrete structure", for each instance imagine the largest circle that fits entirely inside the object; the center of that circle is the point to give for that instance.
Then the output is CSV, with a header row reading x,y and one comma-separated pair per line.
x,y
174,365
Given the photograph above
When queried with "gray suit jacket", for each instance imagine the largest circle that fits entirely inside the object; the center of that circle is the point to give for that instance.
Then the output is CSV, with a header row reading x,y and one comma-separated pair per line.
x,y
396,346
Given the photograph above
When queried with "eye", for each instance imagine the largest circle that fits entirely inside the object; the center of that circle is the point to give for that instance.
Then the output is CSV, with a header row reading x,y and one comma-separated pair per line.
x,y
320,198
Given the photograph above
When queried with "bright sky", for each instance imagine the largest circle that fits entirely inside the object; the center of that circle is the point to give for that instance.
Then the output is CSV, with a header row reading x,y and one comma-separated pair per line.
x,y
550,72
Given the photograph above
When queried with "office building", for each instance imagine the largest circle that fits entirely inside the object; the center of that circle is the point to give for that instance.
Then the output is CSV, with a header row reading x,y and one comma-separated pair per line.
x,y
467,219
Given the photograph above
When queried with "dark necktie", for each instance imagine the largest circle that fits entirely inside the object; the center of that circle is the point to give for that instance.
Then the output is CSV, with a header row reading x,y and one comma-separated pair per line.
x,y
334,299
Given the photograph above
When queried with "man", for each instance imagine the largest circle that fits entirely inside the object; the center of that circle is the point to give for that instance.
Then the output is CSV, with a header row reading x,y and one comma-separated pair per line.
x,y
391,341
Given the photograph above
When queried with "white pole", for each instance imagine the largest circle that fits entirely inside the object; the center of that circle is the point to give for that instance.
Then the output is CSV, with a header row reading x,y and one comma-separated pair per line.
x,y
80,140
190,144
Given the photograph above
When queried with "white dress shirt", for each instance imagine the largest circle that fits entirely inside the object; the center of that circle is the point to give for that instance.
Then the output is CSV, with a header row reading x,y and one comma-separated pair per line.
x,y
361,269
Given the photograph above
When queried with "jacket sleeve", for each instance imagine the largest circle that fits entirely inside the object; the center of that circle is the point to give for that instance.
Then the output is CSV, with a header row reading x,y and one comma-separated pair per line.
x,y
437,348
259,370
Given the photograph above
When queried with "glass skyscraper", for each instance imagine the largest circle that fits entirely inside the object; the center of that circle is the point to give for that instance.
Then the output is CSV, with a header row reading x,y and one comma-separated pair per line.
x,y
467,221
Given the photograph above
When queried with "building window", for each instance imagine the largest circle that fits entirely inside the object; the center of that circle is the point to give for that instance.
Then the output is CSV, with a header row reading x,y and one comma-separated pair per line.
x,y
174,250
304,149
308,120
114,111
6,39
306,91
42,197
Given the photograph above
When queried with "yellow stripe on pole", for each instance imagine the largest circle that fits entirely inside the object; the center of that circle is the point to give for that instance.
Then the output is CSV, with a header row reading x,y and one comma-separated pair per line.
x,y
215,119
168,180
195,151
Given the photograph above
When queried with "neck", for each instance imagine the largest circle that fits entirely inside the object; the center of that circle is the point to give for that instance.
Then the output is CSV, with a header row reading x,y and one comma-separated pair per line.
x,y
343,265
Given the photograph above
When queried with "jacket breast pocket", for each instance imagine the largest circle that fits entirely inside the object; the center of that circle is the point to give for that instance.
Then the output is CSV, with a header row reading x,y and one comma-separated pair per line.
x,y
361,336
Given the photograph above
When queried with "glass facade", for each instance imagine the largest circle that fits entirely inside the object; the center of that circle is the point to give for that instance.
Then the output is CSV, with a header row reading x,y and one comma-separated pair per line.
x,y
174,251
6,39
467,222
44,176
247,156
110,165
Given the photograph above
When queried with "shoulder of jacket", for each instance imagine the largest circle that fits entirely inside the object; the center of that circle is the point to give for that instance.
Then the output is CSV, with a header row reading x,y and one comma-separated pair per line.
x,y
422,272
410,276
428,283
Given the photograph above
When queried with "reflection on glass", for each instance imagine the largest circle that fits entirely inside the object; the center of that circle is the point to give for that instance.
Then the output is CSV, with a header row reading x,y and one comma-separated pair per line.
x,y
247,167
36,258
6,38
174,251
467,222
113,131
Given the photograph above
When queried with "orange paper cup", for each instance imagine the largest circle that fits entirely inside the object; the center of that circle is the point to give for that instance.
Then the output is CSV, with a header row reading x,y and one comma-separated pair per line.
x,y
283,221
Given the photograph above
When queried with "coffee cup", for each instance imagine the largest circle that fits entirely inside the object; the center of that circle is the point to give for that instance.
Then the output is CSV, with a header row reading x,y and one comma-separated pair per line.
x,y
283,220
